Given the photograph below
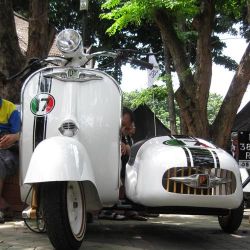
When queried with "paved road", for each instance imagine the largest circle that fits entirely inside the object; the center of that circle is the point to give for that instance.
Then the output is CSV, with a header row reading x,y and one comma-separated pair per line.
x,y
166,232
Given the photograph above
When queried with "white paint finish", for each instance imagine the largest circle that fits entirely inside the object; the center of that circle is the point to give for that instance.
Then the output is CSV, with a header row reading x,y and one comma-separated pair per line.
x,y
95,106
59,159
144,178
76,210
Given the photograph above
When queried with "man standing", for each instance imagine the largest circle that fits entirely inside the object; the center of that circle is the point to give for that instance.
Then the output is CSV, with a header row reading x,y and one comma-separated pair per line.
x,y
9,135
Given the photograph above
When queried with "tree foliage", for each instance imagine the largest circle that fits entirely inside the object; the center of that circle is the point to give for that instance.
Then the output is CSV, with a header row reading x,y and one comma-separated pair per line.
x,y
189,31
155,99
137,11
182,12
213,106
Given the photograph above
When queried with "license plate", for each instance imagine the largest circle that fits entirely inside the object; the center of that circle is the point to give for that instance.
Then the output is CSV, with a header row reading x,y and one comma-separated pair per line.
x,y
203,181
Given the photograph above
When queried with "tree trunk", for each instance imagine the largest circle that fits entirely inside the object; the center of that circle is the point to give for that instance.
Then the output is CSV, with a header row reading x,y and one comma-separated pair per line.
x,y
203,23
192,95
248,11
170,97
184,129
11,58
41,34
223,123
193,113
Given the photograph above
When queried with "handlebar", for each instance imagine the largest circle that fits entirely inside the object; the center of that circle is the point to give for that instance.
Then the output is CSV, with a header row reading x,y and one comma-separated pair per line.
x,y
121,55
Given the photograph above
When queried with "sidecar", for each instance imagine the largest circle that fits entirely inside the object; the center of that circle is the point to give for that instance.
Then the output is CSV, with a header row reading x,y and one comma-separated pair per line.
x,y
183,173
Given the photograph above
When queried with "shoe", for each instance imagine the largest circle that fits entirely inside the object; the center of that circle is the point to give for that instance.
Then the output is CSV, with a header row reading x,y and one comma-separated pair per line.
x,y
119,217
108,215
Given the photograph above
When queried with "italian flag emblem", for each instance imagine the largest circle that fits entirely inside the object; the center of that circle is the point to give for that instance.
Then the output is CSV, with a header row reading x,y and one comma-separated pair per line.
x,y
42,104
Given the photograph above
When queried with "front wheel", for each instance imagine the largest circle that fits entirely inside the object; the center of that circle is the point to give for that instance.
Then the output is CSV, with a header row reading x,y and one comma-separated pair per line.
x,y
231,222
64,213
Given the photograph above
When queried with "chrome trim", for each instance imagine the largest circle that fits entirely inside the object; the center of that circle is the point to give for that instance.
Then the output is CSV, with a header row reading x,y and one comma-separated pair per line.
x,y
193,181
183,180
68,125
73,50
78,77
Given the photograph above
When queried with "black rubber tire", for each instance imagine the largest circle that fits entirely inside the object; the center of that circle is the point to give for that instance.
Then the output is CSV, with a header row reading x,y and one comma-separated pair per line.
x,y
231,222
54,198
90,218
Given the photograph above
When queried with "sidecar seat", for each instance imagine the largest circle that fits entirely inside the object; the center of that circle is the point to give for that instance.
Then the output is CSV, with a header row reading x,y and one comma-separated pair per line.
x,y
134,150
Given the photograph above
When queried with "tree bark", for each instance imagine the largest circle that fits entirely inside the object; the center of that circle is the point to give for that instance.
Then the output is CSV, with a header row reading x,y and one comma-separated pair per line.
x,y
41,34
248,11
176,48
11,58
223,123
193,114
203,24
170,94
184,128
193,93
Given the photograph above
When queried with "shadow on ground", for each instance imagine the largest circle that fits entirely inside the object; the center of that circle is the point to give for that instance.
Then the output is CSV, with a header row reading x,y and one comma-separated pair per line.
x,y
168,232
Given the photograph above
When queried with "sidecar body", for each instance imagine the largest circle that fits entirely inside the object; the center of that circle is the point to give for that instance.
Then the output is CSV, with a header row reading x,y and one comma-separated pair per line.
x,y
184,172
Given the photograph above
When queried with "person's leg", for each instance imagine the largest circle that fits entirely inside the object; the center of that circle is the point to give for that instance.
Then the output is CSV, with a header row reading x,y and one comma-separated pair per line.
x,y
3,203
1,190
8,166
1,187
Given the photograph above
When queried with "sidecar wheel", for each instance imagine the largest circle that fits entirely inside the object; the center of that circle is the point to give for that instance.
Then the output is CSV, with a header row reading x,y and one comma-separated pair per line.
x,y
64,214
231,222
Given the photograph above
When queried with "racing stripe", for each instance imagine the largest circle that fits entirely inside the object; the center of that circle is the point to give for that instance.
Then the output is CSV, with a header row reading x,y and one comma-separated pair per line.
x,y
202,157
187,156
217,159
35,118
40,122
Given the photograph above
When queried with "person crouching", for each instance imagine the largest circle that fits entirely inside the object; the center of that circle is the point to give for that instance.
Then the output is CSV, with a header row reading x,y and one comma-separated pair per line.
x,y
9,136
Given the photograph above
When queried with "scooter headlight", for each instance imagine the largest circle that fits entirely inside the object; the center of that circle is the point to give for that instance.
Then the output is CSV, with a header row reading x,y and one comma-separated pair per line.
x,y
68,42
68,128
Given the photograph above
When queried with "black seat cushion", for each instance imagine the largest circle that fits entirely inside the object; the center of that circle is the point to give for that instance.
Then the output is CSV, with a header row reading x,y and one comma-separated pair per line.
x,y
134,150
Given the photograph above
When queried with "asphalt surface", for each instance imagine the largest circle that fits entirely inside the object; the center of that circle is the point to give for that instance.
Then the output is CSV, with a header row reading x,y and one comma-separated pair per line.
x,y
166,232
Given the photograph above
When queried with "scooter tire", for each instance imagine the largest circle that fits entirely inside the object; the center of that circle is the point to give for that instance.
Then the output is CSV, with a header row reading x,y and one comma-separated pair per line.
x,y
57,222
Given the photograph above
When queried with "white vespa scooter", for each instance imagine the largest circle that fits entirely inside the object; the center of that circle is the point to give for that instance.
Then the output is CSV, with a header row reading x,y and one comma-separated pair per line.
x,y
70,154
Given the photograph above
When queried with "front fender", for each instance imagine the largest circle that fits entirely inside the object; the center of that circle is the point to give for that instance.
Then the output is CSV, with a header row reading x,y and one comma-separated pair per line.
x,y
59,159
